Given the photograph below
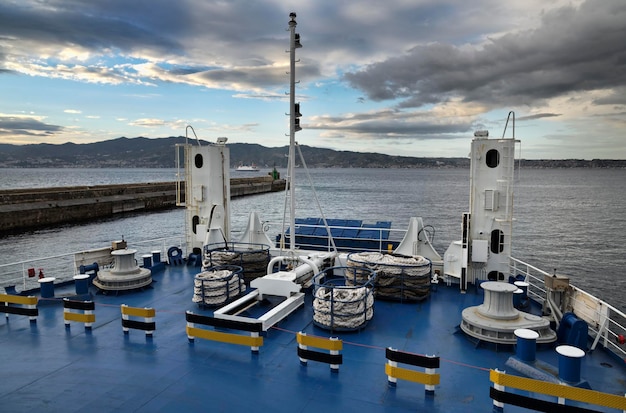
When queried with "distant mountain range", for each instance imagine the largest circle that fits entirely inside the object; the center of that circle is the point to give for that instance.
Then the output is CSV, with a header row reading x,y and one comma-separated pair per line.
x,y
160,153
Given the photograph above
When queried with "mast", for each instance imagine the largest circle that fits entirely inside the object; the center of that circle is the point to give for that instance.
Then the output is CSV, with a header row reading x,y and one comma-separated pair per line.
x,y
294,125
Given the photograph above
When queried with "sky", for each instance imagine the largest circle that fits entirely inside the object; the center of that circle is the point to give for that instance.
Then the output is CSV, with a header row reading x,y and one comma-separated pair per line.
x,y
399,77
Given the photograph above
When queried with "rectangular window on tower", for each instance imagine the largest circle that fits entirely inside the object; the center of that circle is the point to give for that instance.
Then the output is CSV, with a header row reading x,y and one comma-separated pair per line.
x,y
491,200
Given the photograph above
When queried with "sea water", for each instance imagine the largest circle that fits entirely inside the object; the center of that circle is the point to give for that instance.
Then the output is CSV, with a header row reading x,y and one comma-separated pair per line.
x,y
566,220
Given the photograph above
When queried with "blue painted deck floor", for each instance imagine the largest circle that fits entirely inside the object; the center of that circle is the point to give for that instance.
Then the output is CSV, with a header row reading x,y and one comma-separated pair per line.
x,y
49,368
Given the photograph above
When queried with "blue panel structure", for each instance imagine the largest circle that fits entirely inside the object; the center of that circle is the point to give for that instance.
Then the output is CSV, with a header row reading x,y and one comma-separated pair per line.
x,y
348,234
573,331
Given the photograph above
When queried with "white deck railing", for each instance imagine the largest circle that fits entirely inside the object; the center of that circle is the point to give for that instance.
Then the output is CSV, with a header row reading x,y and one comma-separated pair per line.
x,y
63,267
606,323
379,243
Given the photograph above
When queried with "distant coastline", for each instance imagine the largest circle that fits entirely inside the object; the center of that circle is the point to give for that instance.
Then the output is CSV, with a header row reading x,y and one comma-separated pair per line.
x,y
160,153
420,163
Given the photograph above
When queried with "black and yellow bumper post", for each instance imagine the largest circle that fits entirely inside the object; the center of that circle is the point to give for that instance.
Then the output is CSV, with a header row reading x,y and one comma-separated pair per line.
x,y
143,319
79,311
254,340
429,377
561,393
333,345
20,305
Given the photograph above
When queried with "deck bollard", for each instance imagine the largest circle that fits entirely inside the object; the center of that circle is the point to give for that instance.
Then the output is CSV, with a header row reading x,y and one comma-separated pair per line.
x,y
156,257
522,285
570,358
520,297
46,286
526,344
517,298
147,260
81,284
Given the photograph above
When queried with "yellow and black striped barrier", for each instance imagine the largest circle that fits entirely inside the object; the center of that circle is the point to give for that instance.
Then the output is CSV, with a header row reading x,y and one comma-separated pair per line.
x,y
146,323
254,340
333,345
79,311
20,305
561,392
429,377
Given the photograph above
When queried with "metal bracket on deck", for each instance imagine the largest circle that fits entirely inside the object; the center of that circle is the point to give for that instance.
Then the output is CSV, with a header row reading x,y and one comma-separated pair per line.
x,y
277,284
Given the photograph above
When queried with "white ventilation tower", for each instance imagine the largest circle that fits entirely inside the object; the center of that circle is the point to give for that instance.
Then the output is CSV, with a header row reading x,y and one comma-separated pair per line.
x,y
207,193
485,248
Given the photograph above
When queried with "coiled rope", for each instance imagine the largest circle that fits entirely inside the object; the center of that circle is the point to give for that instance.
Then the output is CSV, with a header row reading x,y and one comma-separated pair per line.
x,y
252,258
340,301
398,277
216,287
343,307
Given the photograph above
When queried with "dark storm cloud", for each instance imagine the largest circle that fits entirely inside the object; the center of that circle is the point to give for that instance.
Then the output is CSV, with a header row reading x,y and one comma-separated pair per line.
x,y
572,50
539,116
85,24
24,125
396,129
391,124
263,76
189,40
618,97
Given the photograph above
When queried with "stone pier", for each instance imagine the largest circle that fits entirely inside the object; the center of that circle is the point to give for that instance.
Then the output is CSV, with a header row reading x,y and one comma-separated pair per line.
x,y
24,209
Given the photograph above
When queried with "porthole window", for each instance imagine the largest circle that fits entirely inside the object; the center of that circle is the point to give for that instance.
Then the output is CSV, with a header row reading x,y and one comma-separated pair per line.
x,y
495,276
199,161
194,222
493,158
497,241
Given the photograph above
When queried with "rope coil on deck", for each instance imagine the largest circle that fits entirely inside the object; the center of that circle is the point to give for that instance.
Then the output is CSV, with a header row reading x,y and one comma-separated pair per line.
x,y
341,302
398,277
218,285
252,258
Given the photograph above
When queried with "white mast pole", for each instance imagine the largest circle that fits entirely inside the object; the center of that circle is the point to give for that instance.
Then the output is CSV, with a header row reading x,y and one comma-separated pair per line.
x,y
292,128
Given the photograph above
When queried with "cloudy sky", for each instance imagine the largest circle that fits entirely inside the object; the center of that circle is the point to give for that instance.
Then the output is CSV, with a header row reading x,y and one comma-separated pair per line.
x,y
401,77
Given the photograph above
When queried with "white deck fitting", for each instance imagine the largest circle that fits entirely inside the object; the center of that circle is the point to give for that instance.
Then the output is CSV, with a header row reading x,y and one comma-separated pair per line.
x,y
526,334
496,320
570,351
279,284
125,273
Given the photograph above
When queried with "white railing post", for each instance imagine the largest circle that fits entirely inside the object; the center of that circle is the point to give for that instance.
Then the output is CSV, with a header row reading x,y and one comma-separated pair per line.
x,y
430,389
602,332
498,406
606,313
392,381
334,367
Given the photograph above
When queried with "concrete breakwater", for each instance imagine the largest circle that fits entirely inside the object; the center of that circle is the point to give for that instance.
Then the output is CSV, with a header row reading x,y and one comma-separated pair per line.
x,y
23,209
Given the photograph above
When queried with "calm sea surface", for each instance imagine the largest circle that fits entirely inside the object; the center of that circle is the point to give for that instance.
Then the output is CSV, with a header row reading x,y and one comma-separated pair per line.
x,y
570,220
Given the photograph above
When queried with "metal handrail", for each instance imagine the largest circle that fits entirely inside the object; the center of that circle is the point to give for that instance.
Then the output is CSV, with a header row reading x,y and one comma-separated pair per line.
x,y
63,267
397,237
612,323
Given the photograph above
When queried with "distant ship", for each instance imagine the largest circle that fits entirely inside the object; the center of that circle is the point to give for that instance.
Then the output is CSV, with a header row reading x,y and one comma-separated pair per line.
x,y
248,168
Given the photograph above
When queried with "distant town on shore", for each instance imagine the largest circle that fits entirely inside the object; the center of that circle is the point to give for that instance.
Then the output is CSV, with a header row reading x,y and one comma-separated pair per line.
x,y
160,153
